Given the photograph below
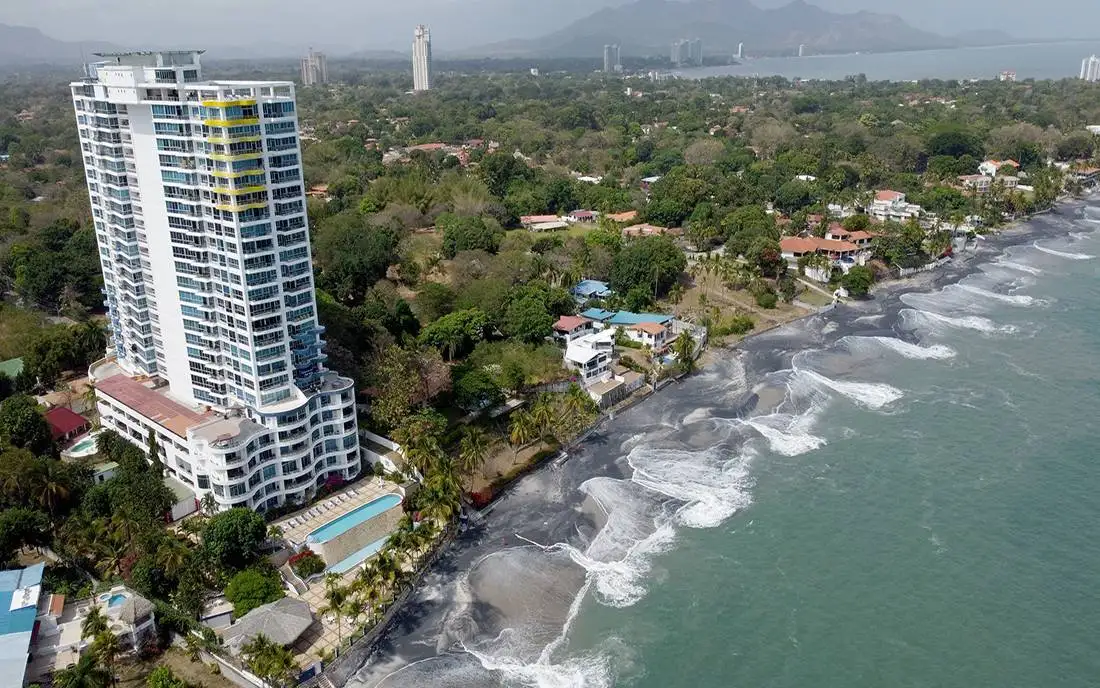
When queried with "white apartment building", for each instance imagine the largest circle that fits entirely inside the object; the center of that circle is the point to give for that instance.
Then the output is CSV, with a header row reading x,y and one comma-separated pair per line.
x,y
422,59
892,206
199,211
314,68
1090,68
611,59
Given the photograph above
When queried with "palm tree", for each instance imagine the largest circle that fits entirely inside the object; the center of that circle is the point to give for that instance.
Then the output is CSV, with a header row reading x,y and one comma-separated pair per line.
x,y
86,673
684,348
93,624
522,432
107,648
50,487
271,662
172,554
473,449
543,416
209,504
335,597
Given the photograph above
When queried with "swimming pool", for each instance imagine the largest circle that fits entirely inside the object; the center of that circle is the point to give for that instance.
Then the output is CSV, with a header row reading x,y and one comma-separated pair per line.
x,y
353,518
116,600
85,447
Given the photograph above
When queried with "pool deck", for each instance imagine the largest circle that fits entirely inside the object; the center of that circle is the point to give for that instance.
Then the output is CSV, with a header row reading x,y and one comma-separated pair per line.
x,y
324,635
297,527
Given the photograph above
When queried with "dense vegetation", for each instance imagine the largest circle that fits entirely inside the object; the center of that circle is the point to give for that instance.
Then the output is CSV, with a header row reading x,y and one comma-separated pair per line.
x,y
440,308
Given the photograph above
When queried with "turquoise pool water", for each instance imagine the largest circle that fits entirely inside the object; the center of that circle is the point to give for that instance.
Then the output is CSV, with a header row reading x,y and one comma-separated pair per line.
x,y
85,447
116,600
354,518
359,557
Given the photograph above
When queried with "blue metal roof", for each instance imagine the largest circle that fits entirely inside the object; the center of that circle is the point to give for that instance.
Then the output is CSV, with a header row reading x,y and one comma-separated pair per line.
x,y
627,318
597,314
592,287
16,624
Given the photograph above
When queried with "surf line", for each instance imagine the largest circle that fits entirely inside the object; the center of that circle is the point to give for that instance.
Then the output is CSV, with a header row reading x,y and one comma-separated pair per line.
x,y
532,542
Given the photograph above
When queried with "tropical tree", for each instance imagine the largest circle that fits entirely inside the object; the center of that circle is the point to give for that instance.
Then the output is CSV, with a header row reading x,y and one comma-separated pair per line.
x,y
336,596
521,432
473,449
543,416
684,349
93,624
106,648
271,662
86,673
153,450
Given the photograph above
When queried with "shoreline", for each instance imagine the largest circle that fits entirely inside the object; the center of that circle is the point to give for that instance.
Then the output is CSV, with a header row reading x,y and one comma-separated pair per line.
x,y
404,632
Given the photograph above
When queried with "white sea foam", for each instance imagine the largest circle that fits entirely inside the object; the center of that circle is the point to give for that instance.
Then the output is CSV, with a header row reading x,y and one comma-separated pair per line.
x,y
1012,299
921,319
1029,269
591,671
1063,254
786,434
712,483
701,413
872,395
936,352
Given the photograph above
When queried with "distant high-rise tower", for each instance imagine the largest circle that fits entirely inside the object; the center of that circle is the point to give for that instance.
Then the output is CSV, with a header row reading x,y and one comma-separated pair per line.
x,y
422,59
681,53
801,51
200,215
1090,68
611,60
740,50
695,50
314,69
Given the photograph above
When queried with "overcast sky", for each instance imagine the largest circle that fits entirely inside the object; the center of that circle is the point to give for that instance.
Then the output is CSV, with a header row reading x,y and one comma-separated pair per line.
x,y
338,25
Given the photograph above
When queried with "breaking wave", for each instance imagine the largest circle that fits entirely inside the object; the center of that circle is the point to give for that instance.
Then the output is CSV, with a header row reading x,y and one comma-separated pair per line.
x,y
1063,254
915,319
1012,299
901,347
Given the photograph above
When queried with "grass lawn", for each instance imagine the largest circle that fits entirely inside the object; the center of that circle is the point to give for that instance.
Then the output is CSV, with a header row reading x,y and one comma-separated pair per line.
x,y
730,302
134,674
814,298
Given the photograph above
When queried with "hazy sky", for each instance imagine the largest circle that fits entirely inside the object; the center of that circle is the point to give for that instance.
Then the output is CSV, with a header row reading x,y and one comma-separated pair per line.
x,y
291,25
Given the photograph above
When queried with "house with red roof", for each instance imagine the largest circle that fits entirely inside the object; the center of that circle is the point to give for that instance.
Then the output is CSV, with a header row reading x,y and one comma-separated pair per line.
x,y
891,206
570,327
651,334
65,425
991,168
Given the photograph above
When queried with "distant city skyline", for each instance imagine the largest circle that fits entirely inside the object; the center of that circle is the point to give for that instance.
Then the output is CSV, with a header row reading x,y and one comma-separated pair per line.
x,y
314,68
1090,68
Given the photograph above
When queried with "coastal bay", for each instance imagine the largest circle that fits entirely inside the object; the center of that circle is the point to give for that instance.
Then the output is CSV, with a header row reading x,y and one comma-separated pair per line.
x,y
868,475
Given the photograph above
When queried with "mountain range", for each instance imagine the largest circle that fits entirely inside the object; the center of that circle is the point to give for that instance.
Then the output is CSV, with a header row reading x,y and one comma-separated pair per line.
x,y
641,27
648,27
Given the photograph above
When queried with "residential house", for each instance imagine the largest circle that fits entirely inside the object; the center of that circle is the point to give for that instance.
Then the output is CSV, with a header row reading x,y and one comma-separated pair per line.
x,y
590,356
651,334
990,168
65,425
1088,176
529,221
624,217
836,232
586,290
19,593
622,383
841,253
551,226
581,216
978,183
646,229
58,642
862,239
570,327
891,206
648,182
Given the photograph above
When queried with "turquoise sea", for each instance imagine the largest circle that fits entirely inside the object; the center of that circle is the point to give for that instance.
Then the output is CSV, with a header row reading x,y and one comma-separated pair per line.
x,y
901,492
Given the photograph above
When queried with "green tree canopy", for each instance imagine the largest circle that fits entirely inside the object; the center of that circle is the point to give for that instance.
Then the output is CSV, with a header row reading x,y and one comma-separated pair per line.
x,y
654,262
252,588
234,537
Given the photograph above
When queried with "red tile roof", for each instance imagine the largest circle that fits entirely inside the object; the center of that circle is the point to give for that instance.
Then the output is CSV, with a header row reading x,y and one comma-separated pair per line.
x,y
860,236
797,245
171,415
628,216
568,323
535,219
888,195
62,421
649,328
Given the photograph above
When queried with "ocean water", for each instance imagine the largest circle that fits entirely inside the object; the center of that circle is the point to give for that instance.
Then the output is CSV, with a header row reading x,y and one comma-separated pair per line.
x,y
1029,61
896,493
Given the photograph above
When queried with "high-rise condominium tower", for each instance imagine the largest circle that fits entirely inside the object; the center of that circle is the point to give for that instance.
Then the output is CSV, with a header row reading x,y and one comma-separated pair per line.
x,y
422,59
1090,68
314,68
611,59
199,211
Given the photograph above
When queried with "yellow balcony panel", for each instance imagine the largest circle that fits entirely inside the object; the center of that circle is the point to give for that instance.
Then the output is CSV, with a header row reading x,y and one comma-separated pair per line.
x,y
228,103
231,122
230,174
243,190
